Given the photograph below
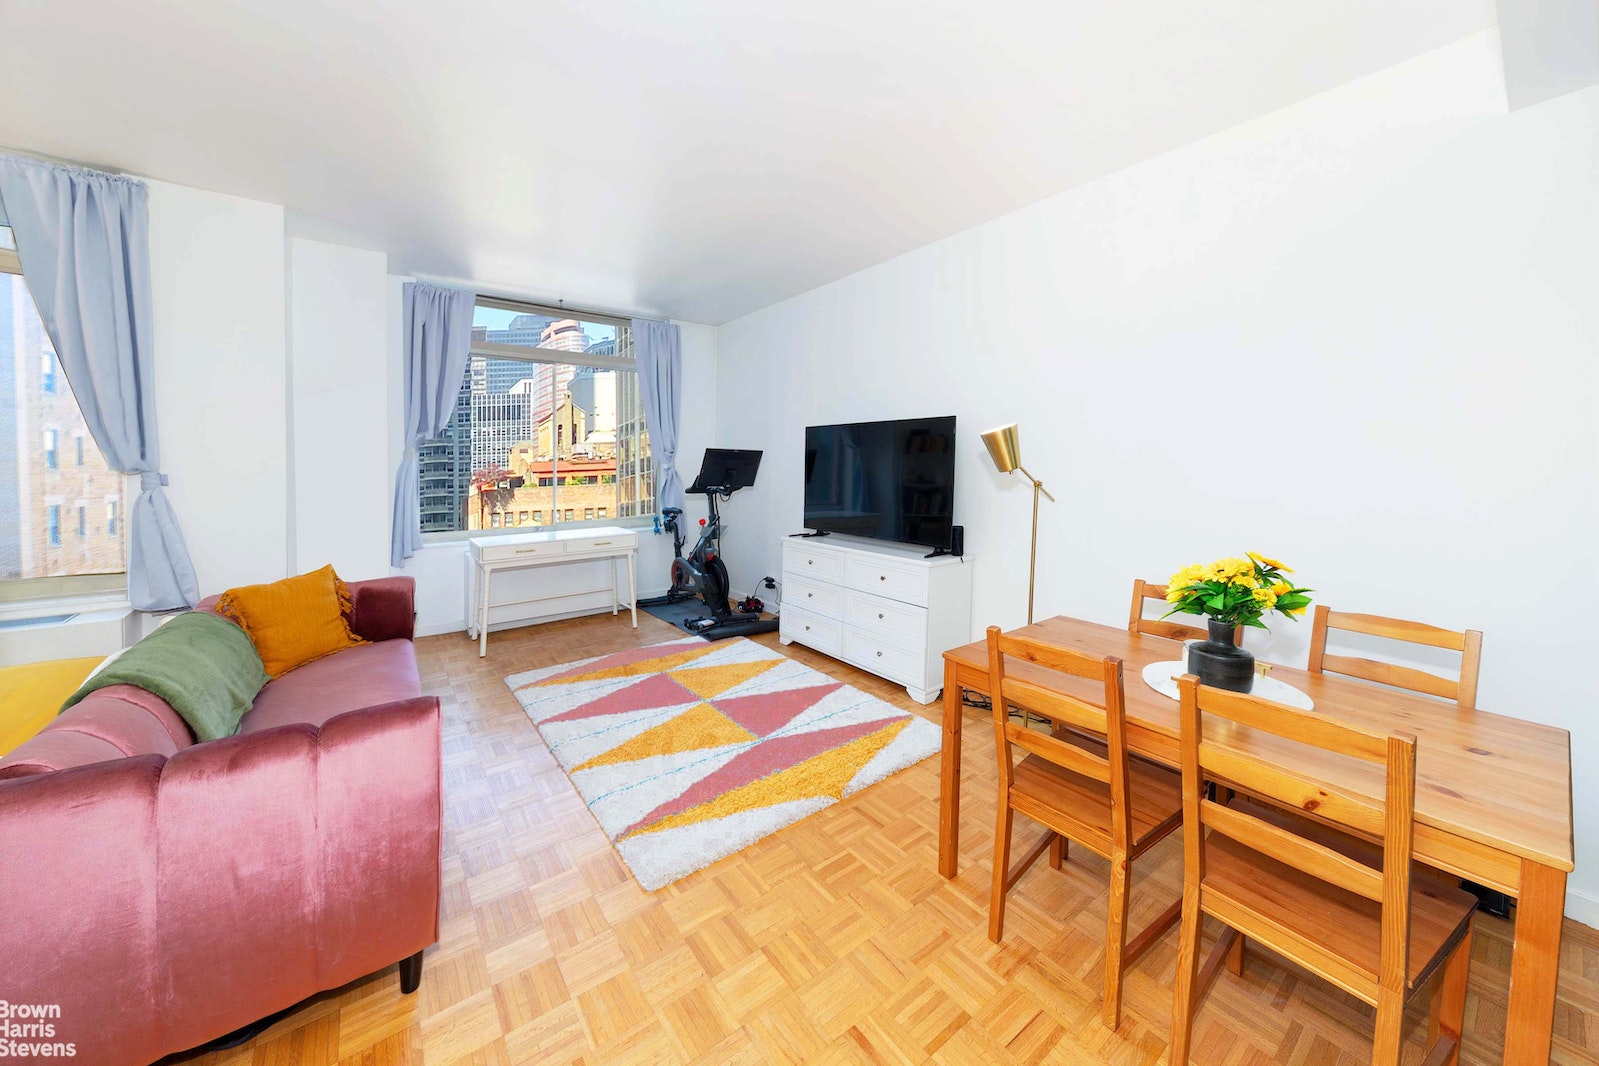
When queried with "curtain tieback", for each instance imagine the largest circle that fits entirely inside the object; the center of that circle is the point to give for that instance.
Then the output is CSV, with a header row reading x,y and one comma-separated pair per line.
x,y
151,479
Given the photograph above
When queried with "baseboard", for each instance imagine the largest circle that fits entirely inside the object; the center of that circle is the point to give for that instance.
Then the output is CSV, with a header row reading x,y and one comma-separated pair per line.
x,y
1582,907
458,625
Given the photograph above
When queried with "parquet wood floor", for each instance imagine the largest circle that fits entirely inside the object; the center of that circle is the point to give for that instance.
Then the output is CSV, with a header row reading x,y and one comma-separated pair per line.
x,y
833,941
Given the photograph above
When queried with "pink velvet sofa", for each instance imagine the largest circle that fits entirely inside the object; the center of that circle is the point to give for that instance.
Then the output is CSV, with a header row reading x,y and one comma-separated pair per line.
x,y
165,893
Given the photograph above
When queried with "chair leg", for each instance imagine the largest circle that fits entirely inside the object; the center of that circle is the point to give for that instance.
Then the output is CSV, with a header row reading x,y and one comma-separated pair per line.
x,y
996,901
1116,938
1057,851
1235,958
1447,1017
1185,994
1389,1039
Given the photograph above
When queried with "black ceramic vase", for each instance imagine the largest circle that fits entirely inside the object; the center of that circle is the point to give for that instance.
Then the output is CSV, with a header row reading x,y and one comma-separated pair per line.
x,y
1219,662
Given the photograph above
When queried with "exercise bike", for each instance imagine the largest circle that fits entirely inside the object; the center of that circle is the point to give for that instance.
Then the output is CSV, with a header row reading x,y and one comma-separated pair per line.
x,y
701,574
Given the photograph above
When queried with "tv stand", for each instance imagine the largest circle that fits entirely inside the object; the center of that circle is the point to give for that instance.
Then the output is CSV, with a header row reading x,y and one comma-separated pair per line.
x,y
813,533
886,608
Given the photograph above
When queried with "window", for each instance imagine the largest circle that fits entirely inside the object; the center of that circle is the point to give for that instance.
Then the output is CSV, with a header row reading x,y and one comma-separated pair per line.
x,y
548,419
38,414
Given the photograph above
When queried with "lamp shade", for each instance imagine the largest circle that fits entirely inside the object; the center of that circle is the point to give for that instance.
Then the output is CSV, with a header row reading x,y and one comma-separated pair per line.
x,y
1004,447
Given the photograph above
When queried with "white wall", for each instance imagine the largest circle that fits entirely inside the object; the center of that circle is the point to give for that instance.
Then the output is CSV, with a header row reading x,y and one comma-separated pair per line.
x,y
1360,334
218,292
339,386
441,569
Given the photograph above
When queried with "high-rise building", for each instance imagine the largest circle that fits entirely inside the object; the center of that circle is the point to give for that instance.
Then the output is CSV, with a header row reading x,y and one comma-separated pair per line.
x,y
499,420
444,468
61,506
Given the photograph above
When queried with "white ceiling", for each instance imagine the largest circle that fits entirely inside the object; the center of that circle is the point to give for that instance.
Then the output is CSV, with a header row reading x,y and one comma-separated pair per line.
x,y
701,158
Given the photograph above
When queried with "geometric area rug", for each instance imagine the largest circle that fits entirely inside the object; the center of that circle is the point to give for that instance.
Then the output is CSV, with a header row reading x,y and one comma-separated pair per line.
x,y
689,751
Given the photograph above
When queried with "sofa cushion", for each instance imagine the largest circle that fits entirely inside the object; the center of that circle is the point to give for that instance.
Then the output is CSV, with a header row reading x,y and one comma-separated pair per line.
x,y
362,676
293,621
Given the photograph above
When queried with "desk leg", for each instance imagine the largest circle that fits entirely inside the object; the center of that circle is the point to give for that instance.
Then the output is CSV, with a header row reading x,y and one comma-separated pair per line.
x,y
632,590
616,579
1535,963
949,786
483,617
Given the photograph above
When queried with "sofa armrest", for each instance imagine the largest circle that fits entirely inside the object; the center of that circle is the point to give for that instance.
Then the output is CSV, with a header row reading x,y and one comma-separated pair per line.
x,y
384,608
165,902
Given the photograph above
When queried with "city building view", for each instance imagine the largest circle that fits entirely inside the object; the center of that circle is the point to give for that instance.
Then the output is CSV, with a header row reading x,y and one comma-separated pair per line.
x,y
61,507
535,443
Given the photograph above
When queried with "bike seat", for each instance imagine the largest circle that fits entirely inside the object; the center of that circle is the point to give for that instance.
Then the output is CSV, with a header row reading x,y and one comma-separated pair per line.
x,y
671,512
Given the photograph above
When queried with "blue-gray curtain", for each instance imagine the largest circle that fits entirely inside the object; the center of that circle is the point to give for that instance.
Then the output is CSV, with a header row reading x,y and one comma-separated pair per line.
x,y
438,339
659,354
84,240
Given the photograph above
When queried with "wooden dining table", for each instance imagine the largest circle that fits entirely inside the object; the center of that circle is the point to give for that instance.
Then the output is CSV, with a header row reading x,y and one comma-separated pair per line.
x,y
1493,793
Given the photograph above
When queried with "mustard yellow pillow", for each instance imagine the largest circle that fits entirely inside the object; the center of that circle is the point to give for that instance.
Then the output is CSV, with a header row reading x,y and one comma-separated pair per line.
x,y
293,621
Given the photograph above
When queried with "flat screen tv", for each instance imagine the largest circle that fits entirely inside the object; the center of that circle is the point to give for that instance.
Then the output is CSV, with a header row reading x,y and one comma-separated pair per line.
x,y
888,480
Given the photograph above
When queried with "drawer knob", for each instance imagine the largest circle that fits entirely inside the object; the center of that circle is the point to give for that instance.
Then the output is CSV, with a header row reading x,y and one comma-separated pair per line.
x,y
807,629
810,562
601,543
882,577
808,595
879,614
879,655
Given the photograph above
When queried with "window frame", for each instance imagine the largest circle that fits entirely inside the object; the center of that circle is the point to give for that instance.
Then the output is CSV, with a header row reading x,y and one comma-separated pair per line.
x,y
20,597
554,357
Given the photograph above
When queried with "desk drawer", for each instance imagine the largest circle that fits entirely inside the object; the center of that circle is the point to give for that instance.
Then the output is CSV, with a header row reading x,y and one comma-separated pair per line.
x,y
902,623
812,630
500,553
884,658
809,561
814,597
608,543
886,577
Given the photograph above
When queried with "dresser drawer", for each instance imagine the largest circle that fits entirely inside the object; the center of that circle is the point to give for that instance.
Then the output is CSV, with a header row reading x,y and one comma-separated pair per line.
x,y
814,597
497,553
817,563
812,630
885,658
903,623
604,543
885,577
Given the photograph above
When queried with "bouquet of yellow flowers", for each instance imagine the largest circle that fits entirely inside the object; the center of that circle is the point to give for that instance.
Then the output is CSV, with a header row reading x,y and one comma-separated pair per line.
x,y
1236,591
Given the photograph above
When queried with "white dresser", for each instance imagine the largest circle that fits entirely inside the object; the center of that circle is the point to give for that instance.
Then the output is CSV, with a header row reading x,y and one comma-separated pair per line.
x,y
882,607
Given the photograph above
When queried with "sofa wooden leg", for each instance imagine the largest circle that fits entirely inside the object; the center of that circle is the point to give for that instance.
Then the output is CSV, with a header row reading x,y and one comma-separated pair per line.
x,y
410,973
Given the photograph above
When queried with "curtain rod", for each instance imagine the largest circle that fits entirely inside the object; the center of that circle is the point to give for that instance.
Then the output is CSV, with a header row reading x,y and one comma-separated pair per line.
x,y
554,305
43,158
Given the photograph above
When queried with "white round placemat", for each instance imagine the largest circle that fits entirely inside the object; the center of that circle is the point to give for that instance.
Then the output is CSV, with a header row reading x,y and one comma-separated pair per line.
x,y
1162,677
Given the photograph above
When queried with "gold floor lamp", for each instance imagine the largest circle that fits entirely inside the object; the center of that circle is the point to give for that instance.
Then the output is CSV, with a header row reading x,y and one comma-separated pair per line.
x,y
1006,450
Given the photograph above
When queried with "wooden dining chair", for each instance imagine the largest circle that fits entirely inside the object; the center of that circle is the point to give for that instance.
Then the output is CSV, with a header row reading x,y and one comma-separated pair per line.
x,y
1160,627
1463,689
1353,917
1079,784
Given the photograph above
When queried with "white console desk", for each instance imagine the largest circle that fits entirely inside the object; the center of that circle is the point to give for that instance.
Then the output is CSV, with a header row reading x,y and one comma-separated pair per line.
x,y
519,551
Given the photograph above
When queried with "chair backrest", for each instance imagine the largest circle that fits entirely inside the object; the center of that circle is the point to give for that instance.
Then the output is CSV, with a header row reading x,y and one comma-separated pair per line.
x,y
1108,721
1160,627
1463,690
1214,749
